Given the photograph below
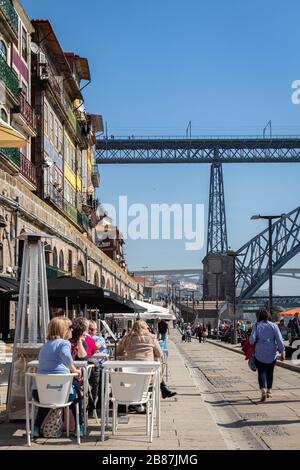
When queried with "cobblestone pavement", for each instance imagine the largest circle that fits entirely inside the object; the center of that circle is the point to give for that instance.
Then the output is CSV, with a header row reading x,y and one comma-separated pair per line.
x,y
275,422
216,407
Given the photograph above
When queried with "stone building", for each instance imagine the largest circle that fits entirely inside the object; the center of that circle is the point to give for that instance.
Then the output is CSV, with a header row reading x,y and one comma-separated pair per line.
x,y
50,185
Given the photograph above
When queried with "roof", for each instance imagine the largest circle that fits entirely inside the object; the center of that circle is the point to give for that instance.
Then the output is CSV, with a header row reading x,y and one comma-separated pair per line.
x,y
61,62
81,64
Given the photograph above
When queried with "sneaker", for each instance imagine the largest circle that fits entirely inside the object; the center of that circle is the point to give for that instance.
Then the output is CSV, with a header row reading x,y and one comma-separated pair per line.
x,y
168,393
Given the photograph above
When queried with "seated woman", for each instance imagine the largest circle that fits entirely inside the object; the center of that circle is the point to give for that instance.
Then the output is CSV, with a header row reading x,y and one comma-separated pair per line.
x,y
141,345
83,349
55,358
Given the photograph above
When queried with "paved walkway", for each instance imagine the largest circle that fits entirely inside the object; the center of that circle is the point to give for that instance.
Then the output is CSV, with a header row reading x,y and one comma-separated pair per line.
x,y
275,422
216,407
185,421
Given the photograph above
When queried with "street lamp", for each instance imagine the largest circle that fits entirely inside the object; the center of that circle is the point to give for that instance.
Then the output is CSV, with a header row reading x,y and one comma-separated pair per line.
x,y
144,269
269,218
217,297
234,255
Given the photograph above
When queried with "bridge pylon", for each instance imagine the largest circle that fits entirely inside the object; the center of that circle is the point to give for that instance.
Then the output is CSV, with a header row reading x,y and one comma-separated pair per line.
x,y
217,229
217,272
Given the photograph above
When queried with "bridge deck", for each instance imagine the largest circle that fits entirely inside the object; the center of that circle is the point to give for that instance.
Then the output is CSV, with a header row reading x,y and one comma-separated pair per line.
x,y
238,149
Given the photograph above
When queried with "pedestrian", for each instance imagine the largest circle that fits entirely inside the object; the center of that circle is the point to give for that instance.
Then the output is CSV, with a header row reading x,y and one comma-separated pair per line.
x,y
163,329
204,334
188,333
268,340
199,332
295,328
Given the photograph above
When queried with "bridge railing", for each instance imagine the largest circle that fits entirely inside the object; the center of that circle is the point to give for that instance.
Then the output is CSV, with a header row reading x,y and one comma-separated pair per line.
x,y
196,137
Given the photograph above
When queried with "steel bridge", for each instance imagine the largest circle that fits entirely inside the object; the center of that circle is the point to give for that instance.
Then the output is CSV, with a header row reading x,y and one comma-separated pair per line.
x,y
252,268
247,149
197,274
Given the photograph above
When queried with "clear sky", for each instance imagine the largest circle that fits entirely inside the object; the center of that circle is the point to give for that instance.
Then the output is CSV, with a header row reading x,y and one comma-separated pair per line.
x,y
225,65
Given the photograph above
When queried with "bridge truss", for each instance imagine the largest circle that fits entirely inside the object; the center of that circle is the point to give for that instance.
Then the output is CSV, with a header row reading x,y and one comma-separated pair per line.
x,y
252,266
199,150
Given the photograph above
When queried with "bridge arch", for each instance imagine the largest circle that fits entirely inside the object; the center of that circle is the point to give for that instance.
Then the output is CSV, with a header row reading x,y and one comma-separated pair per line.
x,y
252,267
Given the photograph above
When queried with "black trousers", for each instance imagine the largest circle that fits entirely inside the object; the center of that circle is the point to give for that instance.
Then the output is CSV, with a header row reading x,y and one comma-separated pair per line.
x,y
265,374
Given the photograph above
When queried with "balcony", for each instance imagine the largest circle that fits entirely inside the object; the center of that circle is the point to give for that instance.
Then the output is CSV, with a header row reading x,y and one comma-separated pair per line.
x,y
9,13
95,176
55,195
26,168
12,154
25,112
83,220
10,79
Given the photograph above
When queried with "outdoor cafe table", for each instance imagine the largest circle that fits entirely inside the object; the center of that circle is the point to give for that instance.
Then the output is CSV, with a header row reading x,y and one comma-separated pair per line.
x,y
33,365
120,364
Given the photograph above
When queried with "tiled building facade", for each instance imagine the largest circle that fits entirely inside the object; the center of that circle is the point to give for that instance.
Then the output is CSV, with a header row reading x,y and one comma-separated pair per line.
x,y
50,184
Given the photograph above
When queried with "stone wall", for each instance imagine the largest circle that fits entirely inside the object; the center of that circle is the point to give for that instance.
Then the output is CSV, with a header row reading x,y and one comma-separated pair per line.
x,y
34,214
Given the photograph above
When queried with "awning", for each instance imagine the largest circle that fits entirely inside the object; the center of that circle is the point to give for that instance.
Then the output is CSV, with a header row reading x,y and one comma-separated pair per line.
x,y
10,137
148,311
83,293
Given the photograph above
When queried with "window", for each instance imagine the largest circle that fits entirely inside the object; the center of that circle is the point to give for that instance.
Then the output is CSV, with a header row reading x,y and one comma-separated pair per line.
x,y
24,44
4,115
3,50
60,139
54,257
51,130
56,143
46,118
24,89
1,257
61,260
70,261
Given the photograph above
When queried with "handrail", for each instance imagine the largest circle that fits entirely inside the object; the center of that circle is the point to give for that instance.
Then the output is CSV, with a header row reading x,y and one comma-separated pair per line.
x,y
196,137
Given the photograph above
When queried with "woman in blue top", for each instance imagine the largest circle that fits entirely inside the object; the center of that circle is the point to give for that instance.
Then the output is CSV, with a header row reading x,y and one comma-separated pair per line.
x,y
55,358
268,340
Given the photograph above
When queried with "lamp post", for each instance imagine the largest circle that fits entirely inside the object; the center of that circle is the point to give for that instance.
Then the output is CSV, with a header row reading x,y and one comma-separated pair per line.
x,y
217,298
234,255
269,218
144,269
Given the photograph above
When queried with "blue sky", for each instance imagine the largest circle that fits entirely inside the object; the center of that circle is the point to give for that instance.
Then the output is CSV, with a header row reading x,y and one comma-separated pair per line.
x,y
225,65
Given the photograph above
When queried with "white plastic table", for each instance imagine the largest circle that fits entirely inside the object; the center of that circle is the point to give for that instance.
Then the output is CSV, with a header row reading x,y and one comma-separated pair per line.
x,y
119,364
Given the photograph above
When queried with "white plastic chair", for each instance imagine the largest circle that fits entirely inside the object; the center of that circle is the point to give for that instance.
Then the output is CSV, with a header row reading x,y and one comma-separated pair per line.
x,y
132,388
53,391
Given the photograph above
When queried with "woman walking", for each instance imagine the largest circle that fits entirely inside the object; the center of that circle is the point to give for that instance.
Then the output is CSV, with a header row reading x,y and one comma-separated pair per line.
x,y
268,340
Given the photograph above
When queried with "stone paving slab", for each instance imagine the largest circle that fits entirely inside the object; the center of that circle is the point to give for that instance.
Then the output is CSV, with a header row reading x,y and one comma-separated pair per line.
x,y
186,422
276,421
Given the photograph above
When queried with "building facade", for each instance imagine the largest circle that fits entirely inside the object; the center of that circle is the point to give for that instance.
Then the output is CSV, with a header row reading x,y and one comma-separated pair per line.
x,y
49,185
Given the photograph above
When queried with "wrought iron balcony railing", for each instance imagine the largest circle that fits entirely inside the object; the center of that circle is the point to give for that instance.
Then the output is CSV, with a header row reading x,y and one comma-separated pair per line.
x,y
27,112
10,13
27,169
12,154
9,77
25,166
